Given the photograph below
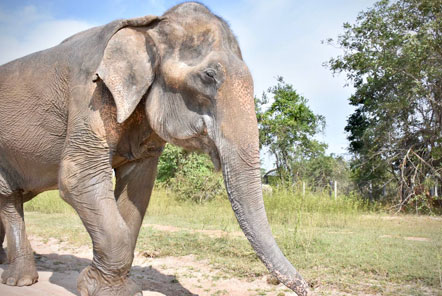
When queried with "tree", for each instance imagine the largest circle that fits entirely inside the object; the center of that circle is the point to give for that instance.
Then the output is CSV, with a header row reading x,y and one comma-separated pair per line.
x,y
287,128
393,57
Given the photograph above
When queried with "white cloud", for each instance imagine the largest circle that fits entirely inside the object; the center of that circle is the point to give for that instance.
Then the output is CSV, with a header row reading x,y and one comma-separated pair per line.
x,y
26,30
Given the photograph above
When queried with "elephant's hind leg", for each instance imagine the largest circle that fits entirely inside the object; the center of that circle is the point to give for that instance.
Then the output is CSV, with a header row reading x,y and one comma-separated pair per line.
x,y
3,257
21,270
5,190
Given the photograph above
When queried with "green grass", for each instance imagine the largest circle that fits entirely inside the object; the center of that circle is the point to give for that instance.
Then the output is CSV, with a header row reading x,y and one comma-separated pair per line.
x,y
341,244
48,202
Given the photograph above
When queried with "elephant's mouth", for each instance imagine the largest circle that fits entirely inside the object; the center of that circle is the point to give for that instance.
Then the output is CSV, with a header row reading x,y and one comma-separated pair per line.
x,y
216,160
208,146
202,144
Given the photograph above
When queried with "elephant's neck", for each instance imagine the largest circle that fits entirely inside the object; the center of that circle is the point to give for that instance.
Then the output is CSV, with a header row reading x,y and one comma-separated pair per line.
x,y
138,140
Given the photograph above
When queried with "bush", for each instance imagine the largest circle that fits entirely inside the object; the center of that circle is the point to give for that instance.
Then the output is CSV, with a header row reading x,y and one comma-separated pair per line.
x,y
169,163
190,175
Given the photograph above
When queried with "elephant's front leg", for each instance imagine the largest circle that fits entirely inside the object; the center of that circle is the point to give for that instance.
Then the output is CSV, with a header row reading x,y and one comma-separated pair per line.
x,y
86,183
133,189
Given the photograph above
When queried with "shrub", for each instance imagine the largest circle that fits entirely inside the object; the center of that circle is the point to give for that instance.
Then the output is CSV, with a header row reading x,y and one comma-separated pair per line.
x,y
190,175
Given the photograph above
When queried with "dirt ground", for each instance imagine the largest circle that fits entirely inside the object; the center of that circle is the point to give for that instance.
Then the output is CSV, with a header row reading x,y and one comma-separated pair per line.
x,y
59,265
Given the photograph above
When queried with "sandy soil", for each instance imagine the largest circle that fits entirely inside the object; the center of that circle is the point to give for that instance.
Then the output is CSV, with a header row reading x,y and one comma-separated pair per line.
x,y
59,265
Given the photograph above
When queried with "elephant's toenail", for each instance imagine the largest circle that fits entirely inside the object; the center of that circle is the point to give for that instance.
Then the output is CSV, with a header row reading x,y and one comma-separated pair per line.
x,y
10,281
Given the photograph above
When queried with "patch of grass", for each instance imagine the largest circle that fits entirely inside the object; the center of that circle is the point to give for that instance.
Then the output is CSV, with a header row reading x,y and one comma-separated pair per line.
x,y
343,244
48,202
65,227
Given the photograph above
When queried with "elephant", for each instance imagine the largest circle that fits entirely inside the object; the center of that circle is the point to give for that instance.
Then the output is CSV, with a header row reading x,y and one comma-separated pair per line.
x,y
105,101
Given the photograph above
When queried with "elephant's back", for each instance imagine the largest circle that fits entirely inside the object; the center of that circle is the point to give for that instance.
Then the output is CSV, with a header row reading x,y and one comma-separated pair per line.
x,y
35,97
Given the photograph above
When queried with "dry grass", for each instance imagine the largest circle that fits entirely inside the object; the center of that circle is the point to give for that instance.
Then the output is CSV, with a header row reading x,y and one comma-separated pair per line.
x,y
340,246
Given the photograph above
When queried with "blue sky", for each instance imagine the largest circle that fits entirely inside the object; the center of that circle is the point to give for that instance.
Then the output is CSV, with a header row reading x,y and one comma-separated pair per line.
x,y
277,38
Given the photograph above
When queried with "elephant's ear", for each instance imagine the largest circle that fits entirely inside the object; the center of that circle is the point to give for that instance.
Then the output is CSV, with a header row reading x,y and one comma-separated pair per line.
x,y
127,68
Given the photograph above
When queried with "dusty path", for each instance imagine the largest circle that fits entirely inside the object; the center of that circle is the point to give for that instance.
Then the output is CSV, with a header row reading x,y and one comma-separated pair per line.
x,y
59,265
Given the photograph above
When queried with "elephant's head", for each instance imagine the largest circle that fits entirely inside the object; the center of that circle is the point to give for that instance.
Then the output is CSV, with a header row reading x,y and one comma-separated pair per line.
x,y
199,95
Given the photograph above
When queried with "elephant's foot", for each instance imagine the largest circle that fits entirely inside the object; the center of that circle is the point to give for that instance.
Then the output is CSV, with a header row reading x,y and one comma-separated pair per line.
x,y
92,283
3,257
21,272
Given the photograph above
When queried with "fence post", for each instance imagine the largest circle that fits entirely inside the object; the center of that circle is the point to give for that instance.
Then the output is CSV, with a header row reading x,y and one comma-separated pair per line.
x,y
330,188
370,193
303,188
336,189
435,190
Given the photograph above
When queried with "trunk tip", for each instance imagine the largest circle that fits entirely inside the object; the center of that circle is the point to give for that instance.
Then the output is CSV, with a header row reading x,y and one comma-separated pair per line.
x,y
300,288
297,284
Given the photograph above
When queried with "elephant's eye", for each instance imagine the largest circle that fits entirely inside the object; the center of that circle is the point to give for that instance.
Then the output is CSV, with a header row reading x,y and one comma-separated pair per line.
x,y
210,73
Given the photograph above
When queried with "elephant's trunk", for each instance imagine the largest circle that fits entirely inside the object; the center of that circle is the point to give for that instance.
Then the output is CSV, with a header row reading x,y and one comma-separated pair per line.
x,y
238,147
243,183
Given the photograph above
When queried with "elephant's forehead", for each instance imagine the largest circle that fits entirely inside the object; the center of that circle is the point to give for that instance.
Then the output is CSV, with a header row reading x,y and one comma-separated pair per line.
x,y
193,24
201,39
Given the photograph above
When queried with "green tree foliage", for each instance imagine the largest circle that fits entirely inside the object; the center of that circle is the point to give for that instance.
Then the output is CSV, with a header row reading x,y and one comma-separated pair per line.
x,y
393,57
287,128
190,175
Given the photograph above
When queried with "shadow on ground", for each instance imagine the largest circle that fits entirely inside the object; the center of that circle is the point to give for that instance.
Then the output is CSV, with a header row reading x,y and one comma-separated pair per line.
x,y
65,270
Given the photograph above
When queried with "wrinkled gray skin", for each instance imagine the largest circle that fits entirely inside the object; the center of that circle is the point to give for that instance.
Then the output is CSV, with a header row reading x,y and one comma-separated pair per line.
x,y
108,99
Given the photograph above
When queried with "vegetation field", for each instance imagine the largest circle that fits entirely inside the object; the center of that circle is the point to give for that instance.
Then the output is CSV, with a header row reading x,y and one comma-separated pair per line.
x,y
341,246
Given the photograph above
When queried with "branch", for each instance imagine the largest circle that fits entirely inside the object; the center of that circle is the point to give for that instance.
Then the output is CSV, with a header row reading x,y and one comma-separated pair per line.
x,y
429,165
